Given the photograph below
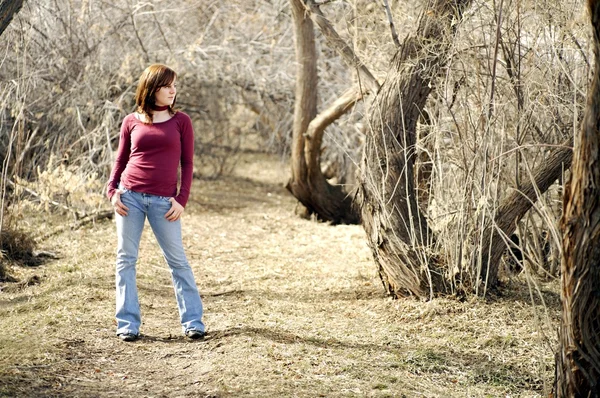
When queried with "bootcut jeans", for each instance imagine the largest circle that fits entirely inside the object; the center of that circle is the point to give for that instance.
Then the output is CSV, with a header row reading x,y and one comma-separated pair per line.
x,y
168,235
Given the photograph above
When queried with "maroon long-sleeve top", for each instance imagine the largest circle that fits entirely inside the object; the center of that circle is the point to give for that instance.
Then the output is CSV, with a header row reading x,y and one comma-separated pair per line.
x,y
149,156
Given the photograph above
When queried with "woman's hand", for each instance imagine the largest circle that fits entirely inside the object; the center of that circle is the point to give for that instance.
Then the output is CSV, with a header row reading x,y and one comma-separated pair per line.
x,y
175,212
120,208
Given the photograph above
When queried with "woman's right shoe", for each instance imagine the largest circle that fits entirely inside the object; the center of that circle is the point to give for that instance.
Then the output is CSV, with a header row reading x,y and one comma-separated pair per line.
x,y
128,336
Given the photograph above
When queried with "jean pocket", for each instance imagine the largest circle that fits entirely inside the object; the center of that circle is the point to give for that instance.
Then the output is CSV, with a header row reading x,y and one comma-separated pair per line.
x,y
165,198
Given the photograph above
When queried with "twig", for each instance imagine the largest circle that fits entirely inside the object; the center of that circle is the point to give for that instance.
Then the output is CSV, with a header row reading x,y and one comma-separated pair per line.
x,y
495,63
388,12
76,212
87,219
139,39
161,32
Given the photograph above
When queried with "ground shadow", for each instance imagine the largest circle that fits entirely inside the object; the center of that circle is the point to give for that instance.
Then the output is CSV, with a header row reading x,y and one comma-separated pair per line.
x,y
35,382
411,359
516,290
282,337
236,193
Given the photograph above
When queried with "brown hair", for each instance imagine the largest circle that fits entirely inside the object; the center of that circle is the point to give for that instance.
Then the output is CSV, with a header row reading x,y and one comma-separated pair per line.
x,y
152,79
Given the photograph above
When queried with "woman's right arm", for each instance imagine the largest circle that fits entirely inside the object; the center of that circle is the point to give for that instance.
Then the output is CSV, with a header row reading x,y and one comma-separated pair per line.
x,y
122,158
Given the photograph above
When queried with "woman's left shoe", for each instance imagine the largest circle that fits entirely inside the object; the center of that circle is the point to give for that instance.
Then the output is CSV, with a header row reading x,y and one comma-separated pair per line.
x,y
195,334
129,336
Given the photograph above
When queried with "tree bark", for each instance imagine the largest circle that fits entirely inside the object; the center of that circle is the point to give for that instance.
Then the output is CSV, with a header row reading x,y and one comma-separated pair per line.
x,y
8,9
578,358
398,234
308,184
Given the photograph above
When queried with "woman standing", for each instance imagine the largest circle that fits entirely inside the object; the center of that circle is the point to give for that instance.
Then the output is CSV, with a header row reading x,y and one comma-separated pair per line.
x,y
153,142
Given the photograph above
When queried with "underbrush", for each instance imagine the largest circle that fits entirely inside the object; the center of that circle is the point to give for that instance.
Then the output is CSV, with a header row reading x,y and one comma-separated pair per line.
x,y
16,247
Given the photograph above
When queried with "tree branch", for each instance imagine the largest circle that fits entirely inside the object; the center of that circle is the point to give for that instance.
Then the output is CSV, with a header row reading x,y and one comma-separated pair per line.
x,y
339,45
316,128
388,12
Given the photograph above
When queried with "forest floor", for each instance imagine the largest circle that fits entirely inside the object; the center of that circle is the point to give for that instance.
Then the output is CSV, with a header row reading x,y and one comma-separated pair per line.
x,y
293,308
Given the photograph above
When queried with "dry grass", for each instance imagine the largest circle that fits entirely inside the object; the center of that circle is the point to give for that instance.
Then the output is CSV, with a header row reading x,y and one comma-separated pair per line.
x,y
294,308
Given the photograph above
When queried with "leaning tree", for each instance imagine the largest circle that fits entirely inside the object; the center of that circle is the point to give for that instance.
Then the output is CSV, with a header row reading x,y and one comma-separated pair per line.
x,y
8,8
308,184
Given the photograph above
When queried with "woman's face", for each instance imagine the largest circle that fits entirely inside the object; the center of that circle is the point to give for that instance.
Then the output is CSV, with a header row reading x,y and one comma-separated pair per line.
x,y
166,95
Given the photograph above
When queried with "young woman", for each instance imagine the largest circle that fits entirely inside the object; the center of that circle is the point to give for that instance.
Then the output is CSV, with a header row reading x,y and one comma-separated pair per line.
x,y
155,140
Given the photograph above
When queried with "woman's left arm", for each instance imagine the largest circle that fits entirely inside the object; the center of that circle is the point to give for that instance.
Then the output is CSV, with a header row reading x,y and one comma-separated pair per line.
x,y
187,160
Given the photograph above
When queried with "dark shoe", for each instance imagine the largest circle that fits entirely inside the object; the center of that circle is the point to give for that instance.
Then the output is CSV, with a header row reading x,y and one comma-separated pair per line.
x,y
195,334
128,336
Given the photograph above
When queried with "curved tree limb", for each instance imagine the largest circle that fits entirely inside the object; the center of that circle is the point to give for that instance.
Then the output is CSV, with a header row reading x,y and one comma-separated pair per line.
x,y
308,184
317,126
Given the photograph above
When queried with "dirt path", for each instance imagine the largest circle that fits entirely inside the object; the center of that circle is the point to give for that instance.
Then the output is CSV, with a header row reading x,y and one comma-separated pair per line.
x,y
293,308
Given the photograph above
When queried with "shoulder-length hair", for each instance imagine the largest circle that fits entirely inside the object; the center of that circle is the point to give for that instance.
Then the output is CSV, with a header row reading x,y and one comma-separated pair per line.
x,y
152,79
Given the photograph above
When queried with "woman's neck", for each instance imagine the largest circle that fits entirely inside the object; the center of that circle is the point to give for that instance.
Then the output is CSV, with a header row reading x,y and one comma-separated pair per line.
x,y
161,116
159,108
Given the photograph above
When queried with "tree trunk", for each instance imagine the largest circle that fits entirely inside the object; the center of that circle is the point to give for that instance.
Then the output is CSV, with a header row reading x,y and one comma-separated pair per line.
x,y
308,184
397,232
578,358
8,9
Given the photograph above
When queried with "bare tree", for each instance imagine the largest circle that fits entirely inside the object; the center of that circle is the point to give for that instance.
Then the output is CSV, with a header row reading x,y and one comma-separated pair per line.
x,y
403,244
410,258
308,184
398,233
578,359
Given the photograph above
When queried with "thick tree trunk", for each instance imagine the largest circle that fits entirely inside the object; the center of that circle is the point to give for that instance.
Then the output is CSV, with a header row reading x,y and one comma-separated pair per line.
x,y
398,233
578,359
513,209
8,9
308,184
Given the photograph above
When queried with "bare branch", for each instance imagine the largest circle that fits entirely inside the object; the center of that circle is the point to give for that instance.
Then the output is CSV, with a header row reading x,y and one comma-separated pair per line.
x,y
316,128
495,63
340,46
75,212
139,39
388,12
517,204
89,218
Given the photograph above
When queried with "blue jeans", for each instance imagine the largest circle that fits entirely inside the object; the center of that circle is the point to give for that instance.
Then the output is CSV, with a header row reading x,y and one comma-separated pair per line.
x,y
168,235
